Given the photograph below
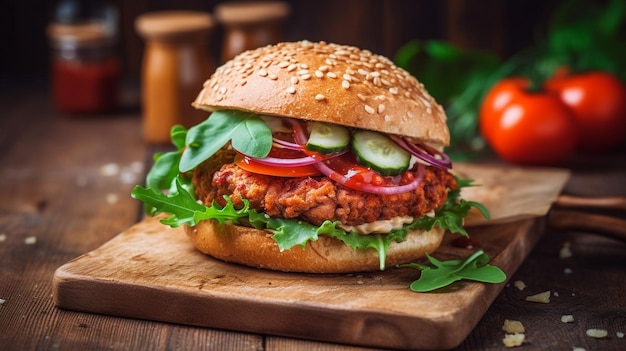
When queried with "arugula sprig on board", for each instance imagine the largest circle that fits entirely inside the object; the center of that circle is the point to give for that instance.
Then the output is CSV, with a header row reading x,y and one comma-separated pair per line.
x,y
439,274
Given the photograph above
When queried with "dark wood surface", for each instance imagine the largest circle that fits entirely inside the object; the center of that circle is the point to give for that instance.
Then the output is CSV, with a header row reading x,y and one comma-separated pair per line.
x,y
59,200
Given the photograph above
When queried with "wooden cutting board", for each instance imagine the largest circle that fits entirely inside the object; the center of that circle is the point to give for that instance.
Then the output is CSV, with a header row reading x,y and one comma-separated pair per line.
x,y
153,272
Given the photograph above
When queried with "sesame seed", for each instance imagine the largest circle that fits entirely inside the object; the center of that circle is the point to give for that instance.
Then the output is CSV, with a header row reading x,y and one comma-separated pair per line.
x,y
375,74
345,84
222,90
363,72
303,72
272,76
369,109
283,64
319,74
291,89
319,97
361,97
429,110
291,67
306,76
410,114
387,118
393,90
323,68
331,75
381,108
304,66
347,77
294,80
263,73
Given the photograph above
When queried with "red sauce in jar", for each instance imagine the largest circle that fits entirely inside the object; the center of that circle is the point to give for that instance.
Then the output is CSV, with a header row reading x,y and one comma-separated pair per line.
x,y
86,87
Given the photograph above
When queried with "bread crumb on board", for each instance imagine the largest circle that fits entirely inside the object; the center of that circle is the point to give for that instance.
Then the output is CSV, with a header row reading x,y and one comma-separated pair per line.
x,y
565,251
31,240
619,335
513,327
543,297
513,340
597,333
520,285
567,318
578,349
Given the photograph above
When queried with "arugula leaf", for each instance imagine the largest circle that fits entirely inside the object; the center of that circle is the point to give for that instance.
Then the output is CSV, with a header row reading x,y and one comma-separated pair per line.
x,y
443,273
165,168
450,215
184,209
246,131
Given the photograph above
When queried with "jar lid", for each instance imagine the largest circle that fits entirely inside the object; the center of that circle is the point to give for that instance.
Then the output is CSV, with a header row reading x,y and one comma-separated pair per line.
x,y
251,12
172,24
92,32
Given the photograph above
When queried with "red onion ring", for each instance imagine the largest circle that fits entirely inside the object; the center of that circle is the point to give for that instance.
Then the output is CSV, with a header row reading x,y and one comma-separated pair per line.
x,y
287,144
424,153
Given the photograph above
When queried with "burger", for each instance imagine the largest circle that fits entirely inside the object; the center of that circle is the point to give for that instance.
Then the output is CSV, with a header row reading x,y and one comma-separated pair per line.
x,y
315,157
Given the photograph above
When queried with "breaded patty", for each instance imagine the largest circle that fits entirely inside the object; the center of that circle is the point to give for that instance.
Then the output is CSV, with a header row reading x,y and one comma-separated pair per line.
x,y
316,199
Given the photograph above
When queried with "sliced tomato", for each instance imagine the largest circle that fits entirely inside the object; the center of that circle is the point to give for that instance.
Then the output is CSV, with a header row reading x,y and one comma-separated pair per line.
x,y
250,165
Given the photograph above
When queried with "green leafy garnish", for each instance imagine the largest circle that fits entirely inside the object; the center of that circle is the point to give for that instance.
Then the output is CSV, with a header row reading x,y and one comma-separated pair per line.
x,y
183,208
165,168
246,132
443,273
450,215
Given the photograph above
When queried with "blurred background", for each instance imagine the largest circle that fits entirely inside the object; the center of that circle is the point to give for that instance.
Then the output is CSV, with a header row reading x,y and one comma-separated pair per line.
x,y
382,26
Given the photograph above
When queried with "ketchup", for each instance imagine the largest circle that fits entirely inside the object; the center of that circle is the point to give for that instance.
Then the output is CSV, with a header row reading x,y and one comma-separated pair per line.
x,y
85,67
84,87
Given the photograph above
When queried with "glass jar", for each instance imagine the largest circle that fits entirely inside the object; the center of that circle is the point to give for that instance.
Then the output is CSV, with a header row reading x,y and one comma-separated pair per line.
x,y
85,64
175,64
249,25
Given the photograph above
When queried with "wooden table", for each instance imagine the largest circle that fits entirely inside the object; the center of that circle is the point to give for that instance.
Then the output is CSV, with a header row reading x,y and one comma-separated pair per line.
x,y
64,191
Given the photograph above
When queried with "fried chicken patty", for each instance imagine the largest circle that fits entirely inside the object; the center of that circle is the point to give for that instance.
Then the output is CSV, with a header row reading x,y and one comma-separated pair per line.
x,y
316,199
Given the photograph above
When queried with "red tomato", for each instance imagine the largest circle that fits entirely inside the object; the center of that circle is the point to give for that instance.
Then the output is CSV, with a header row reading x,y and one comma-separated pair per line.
x,y
527,127
598,103
251,166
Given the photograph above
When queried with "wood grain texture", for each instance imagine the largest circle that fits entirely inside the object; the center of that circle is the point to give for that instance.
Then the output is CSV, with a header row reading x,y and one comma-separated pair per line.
x,y
153,272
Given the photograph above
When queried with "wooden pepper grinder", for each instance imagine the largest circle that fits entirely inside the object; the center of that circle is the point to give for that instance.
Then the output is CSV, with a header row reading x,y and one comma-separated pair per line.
x,y
249,25
176,62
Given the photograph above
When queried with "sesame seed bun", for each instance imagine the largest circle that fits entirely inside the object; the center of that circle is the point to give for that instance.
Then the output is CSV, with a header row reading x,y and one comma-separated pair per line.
x,y
256,248
328,83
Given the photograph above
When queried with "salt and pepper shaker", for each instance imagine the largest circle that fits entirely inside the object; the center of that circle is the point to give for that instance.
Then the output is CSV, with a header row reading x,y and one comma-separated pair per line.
x,y
249,25
176,62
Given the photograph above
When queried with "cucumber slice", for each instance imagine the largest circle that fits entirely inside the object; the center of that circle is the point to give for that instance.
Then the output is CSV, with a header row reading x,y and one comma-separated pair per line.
x,y
375,150
327,138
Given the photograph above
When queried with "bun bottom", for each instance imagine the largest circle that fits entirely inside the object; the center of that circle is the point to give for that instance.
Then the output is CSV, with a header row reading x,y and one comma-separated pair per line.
x,y
256,248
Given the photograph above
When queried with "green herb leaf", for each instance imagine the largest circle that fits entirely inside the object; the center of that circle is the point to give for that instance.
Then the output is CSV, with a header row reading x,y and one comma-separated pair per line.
x,y
248,133
443,273
184,209
178,134
164,171
450,216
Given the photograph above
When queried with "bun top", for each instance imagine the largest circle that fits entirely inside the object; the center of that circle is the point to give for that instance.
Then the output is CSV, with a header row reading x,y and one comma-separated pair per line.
x,y
328,83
